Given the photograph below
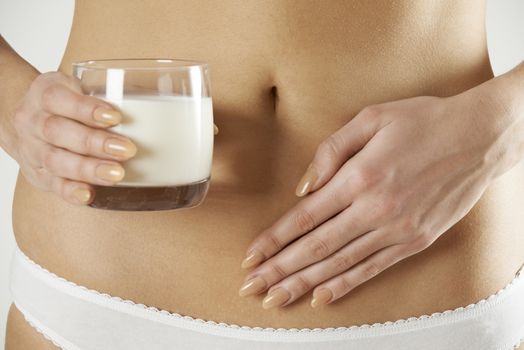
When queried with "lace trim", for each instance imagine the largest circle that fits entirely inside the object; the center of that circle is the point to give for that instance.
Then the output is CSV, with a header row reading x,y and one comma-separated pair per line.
x,y
518,276
61,347
39,330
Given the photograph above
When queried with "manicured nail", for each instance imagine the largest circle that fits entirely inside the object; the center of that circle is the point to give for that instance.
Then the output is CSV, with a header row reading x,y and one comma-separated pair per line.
x,y
82,195
109,172
119,148
107,116
253,286
215,130
277,297
321,297
305,183
254,258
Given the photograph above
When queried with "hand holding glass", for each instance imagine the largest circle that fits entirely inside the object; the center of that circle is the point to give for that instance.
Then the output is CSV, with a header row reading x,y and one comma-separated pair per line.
x,y
167,112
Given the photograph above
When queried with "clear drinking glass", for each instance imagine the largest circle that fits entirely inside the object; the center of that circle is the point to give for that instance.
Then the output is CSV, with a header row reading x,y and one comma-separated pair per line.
x,y
167,112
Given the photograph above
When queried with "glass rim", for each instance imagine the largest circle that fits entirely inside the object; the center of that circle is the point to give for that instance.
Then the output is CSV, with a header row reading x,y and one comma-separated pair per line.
x,y
169,63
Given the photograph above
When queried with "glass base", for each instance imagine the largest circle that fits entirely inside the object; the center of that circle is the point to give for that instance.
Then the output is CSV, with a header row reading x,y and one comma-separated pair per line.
x,y
150,198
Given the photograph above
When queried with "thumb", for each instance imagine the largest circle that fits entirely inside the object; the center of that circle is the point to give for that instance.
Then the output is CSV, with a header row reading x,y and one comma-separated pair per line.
x,y
338,147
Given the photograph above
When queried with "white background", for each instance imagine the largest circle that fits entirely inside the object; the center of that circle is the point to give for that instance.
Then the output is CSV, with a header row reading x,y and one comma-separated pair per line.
x,y
39,29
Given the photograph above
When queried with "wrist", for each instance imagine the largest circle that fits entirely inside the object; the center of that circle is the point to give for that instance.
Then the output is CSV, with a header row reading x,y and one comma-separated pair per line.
x,y
9,140
509,89
16,75
498,106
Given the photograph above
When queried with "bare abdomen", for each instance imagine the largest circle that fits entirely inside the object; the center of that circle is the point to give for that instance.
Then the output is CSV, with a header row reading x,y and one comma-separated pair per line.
x,y
282,81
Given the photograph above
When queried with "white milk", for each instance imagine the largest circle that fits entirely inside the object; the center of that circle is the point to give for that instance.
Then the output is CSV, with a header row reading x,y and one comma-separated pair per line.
x,y
173,135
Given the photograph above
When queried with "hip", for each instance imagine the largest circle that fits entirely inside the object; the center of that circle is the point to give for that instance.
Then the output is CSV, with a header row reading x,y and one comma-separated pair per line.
x,y
180,260
68,315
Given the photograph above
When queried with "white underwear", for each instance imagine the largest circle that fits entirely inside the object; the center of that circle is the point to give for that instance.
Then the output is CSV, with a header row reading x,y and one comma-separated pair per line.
x,y
74,317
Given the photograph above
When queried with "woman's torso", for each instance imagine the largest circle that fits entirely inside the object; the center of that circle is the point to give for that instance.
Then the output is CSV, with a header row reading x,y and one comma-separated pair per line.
x,y
284,75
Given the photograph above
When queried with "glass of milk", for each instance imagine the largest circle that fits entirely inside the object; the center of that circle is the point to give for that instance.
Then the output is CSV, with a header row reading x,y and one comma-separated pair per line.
x,y
168,114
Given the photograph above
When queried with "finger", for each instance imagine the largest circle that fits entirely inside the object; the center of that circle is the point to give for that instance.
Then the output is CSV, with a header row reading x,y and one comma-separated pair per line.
x,y
76,137
59,99
309,213
342,284
315,246
338,148
63,163
304,280
72,191
215,129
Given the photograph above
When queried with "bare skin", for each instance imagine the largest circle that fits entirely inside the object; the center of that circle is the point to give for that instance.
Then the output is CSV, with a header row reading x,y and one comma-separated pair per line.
x,y
290,85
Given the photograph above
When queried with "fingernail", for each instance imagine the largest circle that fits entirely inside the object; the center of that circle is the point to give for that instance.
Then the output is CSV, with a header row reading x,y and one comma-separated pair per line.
x,y
277,297
119,147
82,195
215,130
321,297
255,257
107,116
306,181
252,286
109,172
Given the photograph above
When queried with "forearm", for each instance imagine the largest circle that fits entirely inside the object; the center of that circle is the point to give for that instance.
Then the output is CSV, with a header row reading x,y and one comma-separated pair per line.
x,y
500,113
15,77
511,85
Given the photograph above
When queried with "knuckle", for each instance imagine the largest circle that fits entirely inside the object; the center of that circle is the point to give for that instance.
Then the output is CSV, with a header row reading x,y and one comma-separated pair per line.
x,y
49,159
52,75
49,94
278,271
50,127
371,111
342,262
273,241
304,220
330,148
408,224
421,242
41,80
89,141
341,197
41,172
44,80
80,107
345,284
82,169
371,269
389,205
400,236
316,248
362,180
302,284
73,82
39,177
